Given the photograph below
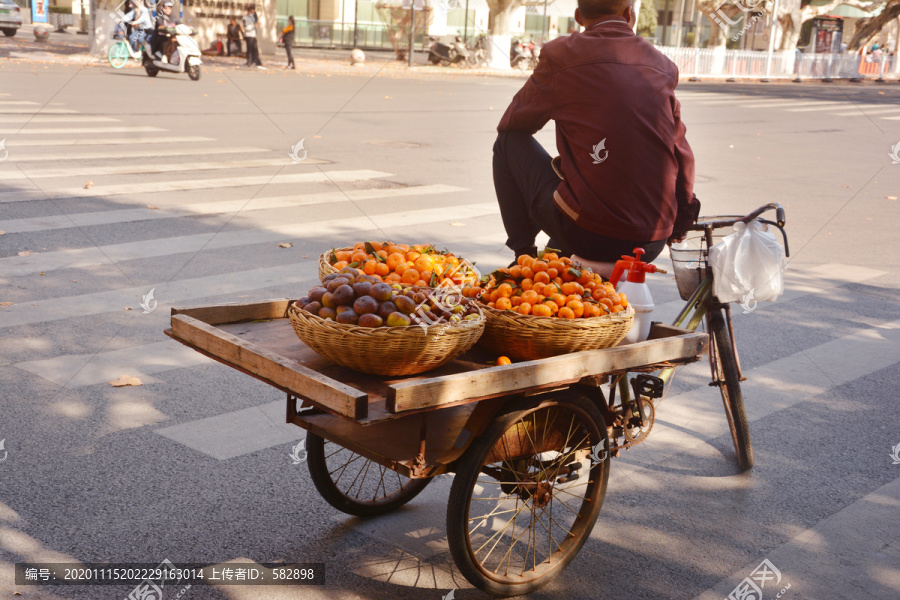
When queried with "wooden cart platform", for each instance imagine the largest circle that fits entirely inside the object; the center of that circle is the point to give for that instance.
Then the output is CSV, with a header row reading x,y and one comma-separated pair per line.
x,y
385,418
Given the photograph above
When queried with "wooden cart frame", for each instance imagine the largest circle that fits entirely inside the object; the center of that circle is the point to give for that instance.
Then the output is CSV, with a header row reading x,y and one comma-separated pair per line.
x,y
457,419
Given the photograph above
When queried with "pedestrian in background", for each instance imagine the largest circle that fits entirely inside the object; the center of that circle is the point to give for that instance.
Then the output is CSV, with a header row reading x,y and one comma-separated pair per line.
x,y
250,20
234,37
287,36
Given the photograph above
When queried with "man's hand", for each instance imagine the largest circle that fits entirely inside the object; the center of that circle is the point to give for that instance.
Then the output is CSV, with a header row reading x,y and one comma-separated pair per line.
x,y
676,237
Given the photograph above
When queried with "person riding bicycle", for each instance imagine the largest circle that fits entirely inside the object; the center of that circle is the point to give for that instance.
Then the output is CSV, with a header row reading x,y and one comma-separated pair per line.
x,y
164,23
625,174
141,24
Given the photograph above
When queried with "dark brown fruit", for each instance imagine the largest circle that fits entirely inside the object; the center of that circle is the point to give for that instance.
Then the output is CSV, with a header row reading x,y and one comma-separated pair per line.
x,y
315,294
343,296
398,319
365,305
329,277
381,292
303,301
327,313
370,320
362,288
386,308
405,304
328,300
351,271
313,307
419,297
336,283
347,317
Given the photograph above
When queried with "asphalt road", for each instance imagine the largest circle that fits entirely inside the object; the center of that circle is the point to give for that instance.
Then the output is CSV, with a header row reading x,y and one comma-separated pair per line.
x,y
191,191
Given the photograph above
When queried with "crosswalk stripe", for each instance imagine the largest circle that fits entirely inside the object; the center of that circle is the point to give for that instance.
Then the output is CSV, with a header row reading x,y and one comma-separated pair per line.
x,y
724,101
174,293
143,141
18,102
891,118
76,118
131,153
81,130
36,111
821,107
789,104
189,184
213,208
13,266
865,112
127,167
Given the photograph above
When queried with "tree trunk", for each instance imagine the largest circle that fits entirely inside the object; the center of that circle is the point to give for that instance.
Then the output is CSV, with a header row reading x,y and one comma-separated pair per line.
x,y
866,29
501,17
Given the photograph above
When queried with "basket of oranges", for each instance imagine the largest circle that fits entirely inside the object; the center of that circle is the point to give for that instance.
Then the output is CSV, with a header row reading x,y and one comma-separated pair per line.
x,y
548,306
418,264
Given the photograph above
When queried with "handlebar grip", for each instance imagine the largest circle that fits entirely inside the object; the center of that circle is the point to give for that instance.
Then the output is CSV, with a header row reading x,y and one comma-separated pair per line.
x,y
779,216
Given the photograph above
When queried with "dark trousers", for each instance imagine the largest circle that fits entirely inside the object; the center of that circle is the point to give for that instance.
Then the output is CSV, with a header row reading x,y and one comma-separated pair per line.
x,y
234,44
525,182
290,56
252,52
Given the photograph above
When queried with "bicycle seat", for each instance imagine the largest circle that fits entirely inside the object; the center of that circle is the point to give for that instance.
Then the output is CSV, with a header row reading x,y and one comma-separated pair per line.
x,y
604,269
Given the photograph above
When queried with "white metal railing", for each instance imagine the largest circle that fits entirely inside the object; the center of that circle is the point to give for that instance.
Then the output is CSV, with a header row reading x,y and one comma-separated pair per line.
x,y
718,62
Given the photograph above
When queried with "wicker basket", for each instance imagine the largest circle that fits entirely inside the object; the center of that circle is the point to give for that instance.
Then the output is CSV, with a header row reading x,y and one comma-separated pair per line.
x,y
527,337
690,261
393,351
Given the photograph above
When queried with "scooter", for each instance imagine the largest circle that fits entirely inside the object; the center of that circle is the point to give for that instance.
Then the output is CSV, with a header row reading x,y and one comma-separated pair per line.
x,y
523,55
185,57
457,53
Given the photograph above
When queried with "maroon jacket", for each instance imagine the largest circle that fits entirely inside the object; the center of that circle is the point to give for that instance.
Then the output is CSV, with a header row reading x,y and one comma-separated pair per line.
x,y
607,84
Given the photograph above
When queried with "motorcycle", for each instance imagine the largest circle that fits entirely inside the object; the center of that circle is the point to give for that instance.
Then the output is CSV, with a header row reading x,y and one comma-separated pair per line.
x,y
523,55
456,53
185,58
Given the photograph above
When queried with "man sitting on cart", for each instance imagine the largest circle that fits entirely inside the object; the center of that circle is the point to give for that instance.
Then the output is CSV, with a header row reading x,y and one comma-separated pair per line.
x,y
625,174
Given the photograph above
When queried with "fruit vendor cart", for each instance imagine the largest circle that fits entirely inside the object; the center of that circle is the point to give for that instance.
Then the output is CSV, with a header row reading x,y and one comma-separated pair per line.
x,y
529,443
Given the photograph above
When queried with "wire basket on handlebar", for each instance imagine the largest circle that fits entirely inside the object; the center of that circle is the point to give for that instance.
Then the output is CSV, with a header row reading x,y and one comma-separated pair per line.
x,y
690,257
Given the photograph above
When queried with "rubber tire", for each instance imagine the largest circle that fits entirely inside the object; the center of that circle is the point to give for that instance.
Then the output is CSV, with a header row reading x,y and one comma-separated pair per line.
x,y
151,70
193,72
732,397
9,31
467,471
117,48
318,472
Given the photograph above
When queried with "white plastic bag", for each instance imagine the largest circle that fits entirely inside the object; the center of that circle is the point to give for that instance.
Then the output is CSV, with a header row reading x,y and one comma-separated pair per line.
x,y
747,265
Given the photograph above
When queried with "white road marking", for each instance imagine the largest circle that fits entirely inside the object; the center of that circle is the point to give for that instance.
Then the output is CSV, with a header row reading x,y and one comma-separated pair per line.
x,y
83,130
39,118
234,434
131,153
141,361
13,266
188,184
92,141
9,102
214,208
36,111
824,106
815,103
127,167
168,294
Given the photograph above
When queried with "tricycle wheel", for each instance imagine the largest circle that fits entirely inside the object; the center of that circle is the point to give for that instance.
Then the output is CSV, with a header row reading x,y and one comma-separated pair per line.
x,y
730,387
354,484
527,493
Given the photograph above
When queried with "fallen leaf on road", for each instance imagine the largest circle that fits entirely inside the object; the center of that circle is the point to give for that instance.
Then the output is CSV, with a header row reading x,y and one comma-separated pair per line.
x,y
388,98
88,185
891,197
306,256
5,304
151,207
317,136
26,253
127,308
2,233
285,245
41,273
220,81
882,93
457,224
243,295
125,380
74,281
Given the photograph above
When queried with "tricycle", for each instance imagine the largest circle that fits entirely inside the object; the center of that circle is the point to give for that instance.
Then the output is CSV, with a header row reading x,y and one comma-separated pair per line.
x,y
529,443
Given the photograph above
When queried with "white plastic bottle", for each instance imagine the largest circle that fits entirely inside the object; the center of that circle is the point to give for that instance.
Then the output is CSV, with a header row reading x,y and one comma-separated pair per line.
x,y
637,292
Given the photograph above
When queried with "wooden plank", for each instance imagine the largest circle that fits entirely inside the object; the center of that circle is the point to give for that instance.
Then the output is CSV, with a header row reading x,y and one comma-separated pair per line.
x,y
281,371
660,330
437,391
217,314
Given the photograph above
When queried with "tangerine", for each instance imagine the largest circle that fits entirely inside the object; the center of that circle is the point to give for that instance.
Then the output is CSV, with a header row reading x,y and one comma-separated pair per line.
x,y
576,306
503,303
525,308
541,310
503,360
566,313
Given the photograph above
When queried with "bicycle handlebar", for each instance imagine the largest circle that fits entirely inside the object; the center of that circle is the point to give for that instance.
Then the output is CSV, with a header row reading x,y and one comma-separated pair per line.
x,y
730,221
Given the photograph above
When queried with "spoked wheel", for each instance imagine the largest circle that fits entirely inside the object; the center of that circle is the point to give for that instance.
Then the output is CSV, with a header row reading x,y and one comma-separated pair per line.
x,y
354,484
730,387
526,495
118,55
